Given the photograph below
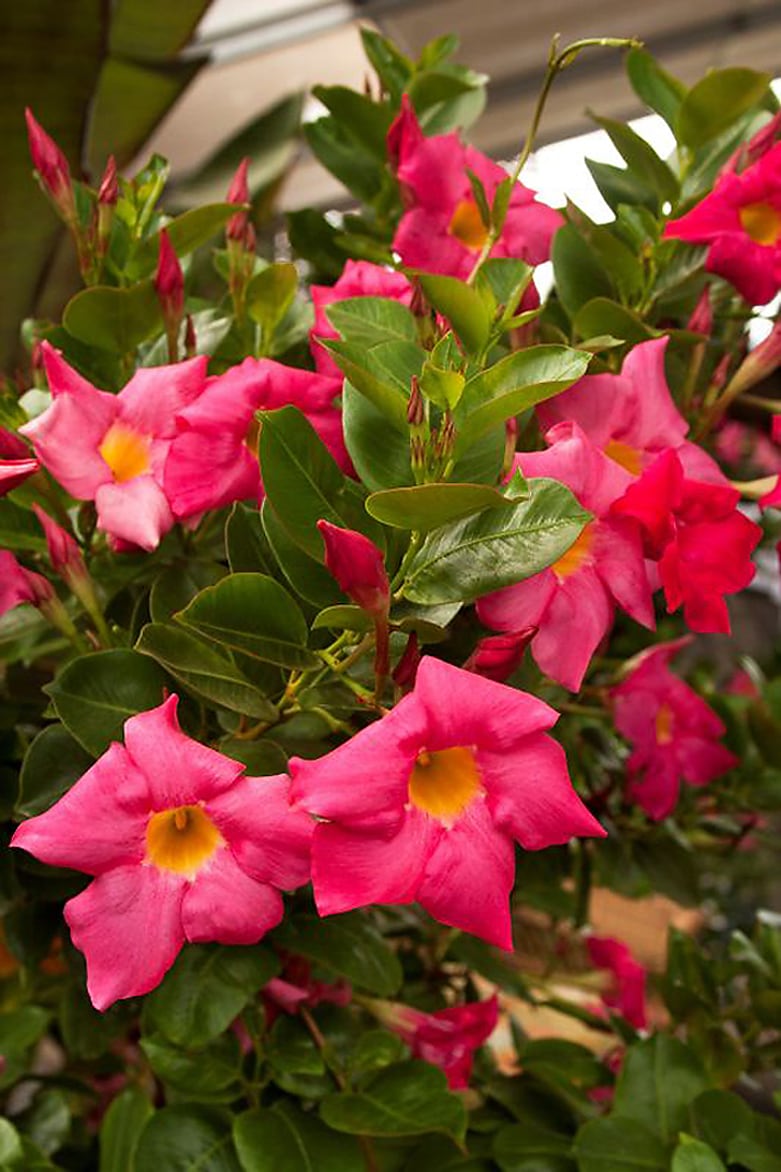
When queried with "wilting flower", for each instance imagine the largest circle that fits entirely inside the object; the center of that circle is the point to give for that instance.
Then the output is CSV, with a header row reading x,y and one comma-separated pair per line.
x,y
673,733
573,601
626,991
213,460
741,221
112,448
358,566
181,846
359,278
448,1038
427,803
442,230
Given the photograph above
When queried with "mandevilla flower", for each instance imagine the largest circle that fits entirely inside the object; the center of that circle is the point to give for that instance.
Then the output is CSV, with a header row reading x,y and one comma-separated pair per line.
x,y
741,221
447,1038
182,847
626,991
427,803
359,278
112,448
673,733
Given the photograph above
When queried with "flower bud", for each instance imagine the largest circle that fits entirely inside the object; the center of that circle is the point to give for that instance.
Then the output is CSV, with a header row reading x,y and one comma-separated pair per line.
x,y
64,554
52,167
407,668
169,284
108,192
497,656
15,472
701,320
358,566
758,364
238,193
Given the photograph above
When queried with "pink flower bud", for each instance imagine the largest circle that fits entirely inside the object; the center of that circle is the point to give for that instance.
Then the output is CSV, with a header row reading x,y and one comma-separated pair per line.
x,y
169,281
238,193
759,363
358,567
64,553
11,446
407,668
108,193
701,320
15,472
497,656
52,167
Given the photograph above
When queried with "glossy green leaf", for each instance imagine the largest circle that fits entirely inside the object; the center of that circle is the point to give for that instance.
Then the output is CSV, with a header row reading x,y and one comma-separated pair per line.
x,y
716,101
306,576
641,159
366,120
53,762
380,453
463,561
619,1145
262,757
178,584
287,1139
187,1138
246,546
716,1116
19,529
10,1144
208,987
657,88
381,389
602,316
114,319
186,232
469,312
507,278
512,385
270,294
748,1152
407,1098
659,1079
255,614
343,618
339,151
427,506
121,1129
692,1155
392,67
199,667
368,320
578,271
347,945
530,1147
20,1029
618,186
205,1074
95,694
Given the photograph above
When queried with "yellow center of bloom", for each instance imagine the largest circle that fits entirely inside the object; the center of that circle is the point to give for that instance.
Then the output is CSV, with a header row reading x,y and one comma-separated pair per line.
x,y
571,561
443,783
625,455
181,840
467,225
762,222
126,451
664,725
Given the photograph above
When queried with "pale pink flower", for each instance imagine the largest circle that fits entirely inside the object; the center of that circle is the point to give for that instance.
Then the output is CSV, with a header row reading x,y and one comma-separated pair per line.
x,y
359,278
427,803
181,846
112,448
674,734
447,1038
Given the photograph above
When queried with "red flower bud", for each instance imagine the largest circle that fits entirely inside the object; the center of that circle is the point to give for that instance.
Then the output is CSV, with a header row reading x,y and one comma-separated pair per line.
x,y
497,656
238,193
701,320
52,167
108,193
169,281
64,553
358,567
407,668
15,472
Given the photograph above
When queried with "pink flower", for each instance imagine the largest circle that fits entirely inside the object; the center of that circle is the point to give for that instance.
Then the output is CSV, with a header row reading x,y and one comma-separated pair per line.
x,y
448,1038
297,989
359,278
15,472
52,167
626,992
631,416
442,230
19,585
181,846
572,603
702,543
672,731
741,221
497,656
213,460
427,803
112,448
358,566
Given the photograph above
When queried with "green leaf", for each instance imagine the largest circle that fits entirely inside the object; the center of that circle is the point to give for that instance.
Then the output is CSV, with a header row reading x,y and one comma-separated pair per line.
x,y
118,320
304,484
246,546
619,1145
121,1130
19,529
187,1138
579,273
369,320
95,694
380,453
347,945
692,1155
365,120
469,312
718,100
378,385
530,1147
287,1139
507,278
641,159
20,1029
252,613
389,63
10,1144
427,506
309,578
270,294
716,1116
659,1079
208,987
206,1074
178,585
512,385
620,187
749,1152
343,618
601,316
657,88
53,762
407,1098
186,232
201,668
353,165
463,561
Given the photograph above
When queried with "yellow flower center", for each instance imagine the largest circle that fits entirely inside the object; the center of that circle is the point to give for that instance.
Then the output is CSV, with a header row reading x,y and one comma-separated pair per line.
x,y
126,451
664,725
625,455
467,225
570,562
443,783
762,222
181,840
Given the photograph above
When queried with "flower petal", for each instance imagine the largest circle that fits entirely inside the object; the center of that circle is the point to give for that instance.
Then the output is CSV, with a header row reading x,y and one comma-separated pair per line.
x,y
225,904
135,511
151,400
576,622
270,839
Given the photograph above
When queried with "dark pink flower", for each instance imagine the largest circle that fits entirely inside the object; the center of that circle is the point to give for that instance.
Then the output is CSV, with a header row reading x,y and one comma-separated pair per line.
x,y
427,803
572,603
673,733
182,849
297,989
358,567
52,167
626,992
448,1038
112,448
442,230
359,278
741,221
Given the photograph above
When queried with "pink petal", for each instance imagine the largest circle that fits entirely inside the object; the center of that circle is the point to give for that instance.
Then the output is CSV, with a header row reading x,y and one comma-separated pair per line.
x,y
17,585
155,394
618,552
700,760
601,404
657,422
656,789
225,904
128,924
270,839
578,618
208,471
135,511
15,472
573,459
98,824
516,607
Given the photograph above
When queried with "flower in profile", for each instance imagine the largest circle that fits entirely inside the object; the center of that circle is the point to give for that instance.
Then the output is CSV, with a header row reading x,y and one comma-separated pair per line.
x,y
111,449
358,566
427,803
442,230
626,989
297,989
52,167
740,220
213,460
497,656
447,1039
571,604
674,734
359,278
181,847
